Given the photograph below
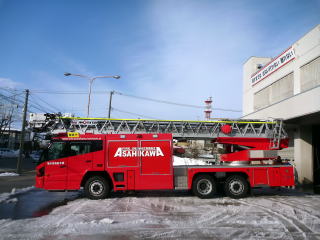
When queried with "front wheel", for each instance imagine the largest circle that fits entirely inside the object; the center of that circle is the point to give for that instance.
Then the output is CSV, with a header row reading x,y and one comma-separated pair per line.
x,y
204,186
97,188
236,186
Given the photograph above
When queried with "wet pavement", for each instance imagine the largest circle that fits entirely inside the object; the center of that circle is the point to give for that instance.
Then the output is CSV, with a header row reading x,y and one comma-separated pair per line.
x,y
34,203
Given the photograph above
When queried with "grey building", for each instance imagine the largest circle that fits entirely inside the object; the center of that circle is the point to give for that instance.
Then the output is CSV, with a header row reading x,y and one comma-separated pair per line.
x,y
288,87
11,138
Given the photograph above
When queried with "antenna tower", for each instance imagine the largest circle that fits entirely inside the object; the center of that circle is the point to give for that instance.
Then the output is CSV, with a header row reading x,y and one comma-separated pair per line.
x,y
208,109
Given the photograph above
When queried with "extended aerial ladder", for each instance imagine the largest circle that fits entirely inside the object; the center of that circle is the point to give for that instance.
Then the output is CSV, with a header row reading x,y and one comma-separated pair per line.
x,y
258,138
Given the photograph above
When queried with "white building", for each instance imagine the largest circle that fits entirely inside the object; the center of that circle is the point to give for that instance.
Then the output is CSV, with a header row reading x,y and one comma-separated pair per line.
x,y
288,87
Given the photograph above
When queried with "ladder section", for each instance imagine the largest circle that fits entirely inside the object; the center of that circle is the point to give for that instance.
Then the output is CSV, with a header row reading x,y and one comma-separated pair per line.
x,y
278,134
179,128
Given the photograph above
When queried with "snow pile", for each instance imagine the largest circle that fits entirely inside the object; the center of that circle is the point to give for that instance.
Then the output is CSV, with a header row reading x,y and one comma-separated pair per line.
x,y
179,161
11,200
4,197
206,155
8,174
103,221
174,216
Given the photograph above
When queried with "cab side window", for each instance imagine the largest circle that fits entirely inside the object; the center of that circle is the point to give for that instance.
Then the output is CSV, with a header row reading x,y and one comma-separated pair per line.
x,y
57,150
96,146
83,147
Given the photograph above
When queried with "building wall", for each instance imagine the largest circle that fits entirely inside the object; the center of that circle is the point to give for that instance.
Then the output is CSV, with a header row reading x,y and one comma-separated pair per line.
x,y
291,92
305,70
303,154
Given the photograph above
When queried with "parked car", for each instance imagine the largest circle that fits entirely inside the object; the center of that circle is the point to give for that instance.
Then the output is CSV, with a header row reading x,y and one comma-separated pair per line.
x,y
8,153
35,155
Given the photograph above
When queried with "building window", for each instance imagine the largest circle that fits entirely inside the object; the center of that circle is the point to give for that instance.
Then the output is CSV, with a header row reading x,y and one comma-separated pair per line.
x,y
310,74
277,91
281,89
262,98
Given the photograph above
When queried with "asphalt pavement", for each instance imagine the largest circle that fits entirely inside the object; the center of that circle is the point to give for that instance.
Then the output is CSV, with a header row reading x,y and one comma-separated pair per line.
x,y
10,164
25,179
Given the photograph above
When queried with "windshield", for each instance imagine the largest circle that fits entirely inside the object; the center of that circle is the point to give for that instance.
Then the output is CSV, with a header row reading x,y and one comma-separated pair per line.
x,y
54,151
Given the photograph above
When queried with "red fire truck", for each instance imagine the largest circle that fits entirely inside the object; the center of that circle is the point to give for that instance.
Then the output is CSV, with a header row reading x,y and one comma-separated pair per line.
x,y
112,160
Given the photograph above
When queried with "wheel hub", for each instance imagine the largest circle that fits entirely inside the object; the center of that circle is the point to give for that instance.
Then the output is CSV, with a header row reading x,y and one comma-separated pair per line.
x,y
236,187
96,188
204,186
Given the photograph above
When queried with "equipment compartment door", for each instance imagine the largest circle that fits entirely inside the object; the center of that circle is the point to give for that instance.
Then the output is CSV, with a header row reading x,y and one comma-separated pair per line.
x,y
156,165
287,176
261,176
130,179
274,176
123,154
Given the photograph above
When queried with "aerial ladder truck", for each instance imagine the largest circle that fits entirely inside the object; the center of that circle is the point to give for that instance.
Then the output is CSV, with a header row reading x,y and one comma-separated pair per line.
x,y
103,155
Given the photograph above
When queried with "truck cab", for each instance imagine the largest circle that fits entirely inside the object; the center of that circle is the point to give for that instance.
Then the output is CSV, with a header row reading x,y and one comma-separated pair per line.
x,y
125,161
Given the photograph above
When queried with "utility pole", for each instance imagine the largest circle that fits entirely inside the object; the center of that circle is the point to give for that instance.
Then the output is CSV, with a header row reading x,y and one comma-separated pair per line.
x,y
23,129
110,102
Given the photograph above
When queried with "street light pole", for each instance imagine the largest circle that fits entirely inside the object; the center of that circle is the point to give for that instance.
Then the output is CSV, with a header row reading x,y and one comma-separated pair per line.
x,y
89,96
110,102
91,80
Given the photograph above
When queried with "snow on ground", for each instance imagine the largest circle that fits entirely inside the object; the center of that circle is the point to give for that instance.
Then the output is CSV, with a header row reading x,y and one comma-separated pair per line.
x,y
179,161
8,174
279,215
4,197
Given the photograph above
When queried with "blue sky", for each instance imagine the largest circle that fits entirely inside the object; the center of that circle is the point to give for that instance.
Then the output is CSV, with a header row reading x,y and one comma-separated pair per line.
x,y
178,50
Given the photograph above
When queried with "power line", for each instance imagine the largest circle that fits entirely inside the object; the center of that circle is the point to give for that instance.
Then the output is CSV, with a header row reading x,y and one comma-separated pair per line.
x,y
10,100
174,103
131,113
51,106
18,102
134,96
158,100
67,92
38,106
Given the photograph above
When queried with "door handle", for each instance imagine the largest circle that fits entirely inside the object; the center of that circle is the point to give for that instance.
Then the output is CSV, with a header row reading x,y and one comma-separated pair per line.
x,y
88,161
62,166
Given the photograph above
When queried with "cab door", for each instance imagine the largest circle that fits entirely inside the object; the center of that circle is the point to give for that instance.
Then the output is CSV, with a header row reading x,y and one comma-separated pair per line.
x,y
79,162
55,177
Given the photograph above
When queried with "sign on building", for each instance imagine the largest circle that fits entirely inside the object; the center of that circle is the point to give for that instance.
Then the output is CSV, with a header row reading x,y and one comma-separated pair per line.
x,y
284,58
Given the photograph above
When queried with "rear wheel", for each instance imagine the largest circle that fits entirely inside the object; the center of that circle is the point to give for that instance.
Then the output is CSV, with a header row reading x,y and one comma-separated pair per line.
x,y
236,186
97,188
204,186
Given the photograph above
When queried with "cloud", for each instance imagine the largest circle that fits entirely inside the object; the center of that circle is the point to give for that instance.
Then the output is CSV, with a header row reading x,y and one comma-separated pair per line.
x,y
71,65
180,51
8,83
192,57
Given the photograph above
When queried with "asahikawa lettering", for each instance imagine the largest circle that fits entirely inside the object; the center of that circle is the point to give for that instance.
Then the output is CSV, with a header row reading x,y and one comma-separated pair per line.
x,y
139,152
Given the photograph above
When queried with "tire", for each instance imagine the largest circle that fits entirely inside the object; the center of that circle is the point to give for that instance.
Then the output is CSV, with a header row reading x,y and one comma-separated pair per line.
x,y
204,186
236,186
97,188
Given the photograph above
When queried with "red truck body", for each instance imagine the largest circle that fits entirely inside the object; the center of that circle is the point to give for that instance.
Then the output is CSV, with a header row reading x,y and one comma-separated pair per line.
x,y
138,162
